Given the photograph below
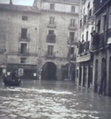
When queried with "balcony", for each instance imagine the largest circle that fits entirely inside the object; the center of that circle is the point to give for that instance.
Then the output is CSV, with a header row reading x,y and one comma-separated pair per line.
x,y
90,20
72,27
71,41
24,39
23,53
71,57
51,38
50,56
83,48
51,25
83,58
98,41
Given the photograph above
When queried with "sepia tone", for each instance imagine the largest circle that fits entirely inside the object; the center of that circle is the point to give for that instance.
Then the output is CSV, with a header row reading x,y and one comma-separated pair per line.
x,y
55,59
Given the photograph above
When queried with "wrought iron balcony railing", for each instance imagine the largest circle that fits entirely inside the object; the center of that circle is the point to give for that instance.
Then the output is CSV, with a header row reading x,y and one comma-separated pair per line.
x,y
24,53
51,25
26,39
71,57
50,56
71,41
71,27
51,38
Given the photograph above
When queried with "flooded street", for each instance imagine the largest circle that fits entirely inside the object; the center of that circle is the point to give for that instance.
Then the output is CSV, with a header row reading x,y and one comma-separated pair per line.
x,y
52,100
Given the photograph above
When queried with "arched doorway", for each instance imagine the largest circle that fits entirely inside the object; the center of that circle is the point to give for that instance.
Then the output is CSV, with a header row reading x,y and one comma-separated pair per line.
x,y
103,77
48,71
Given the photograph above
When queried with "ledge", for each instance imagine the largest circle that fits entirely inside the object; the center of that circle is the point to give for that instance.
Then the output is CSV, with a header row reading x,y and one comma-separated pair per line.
x,y
83,58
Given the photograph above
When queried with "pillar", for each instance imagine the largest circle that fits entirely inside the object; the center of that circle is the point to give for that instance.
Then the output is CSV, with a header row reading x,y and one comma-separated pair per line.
x,y
59,73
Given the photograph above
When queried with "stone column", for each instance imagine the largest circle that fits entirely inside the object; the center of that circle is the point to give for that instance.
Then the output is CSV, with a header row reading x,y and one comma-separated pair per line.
x,y
59,73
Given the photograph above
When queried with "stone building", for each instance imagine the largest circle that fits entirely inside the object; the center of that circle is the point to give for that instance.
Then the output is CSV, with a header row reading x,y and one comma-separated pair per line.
x,y
101,47
84,57
39,40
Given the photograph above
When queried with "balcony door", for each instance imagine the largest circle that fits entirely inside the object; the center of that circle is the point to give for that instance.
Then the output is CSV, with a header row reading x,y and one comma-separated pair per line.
x,y
23,48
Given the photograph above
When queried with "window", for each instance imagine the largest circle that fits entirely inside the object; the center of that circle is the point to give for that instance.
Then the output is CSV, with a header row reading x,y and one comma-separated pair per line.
x,y
109,19
52,6
85,19
88,5
51,31
50,50
72,22
104,22
52,19
73,9
24,33
23,48
72,35
72,50
23,60
24,18
98,26
51,37
80,23
82,37
87,33
90,13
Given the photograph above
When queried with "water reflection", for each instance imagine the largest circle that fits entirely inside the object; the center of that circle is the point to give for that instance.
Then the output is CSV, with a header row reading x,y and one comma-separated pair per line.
x,y
52,100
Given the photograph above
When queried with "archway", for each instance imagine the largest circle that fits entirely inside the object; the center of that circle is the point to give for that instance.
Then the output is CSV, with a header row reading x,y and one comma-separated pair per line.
x,y
48,71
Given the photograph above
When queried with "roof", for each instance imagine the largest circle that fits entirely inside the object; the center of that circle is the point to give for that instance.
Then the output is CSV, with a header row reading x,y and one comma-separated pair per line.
x,y
19,8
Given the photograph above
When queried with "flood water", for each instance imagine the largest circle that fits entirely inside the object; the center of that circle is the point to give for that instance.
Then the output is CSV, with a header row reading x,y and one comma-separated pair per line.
x,y
52,100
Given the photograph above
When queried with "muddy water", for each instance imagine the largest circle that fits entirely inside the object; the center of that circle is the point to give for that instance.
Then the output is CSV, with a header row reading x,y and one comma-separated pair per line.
x,y
52,100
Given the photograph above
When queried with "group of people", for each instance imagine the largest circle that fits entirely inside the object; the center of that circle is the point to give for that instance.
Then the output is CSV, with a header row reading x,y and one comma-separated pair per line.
x,y
83,46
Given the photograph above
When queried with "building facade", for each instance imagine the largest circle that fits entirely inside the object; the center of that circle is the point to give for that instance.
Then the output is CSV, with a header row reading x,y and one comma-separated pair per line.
x,y
102,47
39,40
84,57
